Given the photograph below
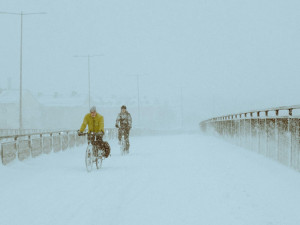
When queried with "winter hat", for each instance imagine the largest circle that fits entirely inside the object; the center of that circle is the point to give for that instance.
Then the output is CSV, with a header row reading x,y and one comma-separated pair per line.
x,y
93,109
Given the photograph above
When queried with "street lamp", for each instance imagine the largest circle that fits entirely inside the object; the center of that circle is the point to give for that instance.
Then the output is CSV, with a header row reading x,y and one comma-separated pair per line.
x,y
89,77
138,90
181,106
21,47
138,95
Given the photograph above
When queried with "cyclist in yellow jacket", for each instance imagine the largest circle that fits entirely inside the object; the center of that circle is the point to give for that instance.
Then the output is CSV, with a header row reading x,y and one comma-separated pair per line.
x,y
95,123
94,120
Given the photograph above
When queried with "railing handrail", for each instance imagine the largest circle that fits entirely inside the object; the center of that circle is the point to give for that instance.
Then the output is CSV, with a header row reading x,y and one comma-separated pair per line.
x,y
36,132
39,133
251,112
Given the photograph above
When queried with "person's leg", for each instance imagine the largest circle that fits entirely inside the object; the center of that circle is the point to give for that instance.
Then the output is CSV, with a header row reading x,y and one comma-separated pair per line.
x,y
119,134
99,143
126,136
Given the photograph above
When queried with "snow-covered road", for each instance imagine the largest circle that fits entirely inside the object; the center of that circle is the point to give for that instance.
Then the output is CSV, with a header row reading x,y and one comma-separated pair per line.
x,y
179,179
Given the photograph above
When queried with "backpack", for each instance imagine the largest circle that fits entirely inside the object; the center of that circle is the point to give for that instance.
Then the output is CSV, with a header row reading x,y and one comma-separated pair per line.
x,y
106,148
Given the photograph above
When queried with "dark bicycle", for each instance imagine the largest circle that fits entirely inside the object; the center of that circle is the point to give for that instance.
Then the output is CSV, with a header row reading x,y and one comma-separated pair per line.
x,y
95,152
124,145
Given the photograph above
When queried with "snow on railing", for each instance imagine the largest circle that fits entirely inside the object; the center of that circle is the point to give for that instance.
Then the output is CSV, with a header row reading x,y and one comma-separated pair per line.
x,y
23,144
12,132
32,143
273,132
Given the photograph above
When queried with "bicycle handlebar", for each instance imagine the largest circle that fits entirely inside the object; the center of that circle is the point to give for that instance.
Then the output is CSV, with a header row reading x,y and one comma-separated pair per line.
x,y
91,133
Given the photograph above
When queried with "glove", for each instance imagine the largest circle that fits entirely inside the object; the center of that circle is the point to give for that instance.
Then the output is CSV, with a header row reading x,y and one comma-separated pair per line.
x,y
101,133
79,133
117,126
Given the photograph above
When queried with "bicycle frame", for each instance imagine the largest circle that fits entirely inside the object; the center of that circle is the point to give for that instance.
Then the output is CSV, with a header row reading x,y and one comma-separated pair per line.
x,y
123,143
93,153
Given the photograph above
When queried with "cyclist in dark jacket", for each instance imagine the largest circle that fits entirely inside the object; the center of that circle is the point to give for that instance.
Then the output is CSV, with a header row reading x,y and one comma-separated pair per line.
x,y
124,123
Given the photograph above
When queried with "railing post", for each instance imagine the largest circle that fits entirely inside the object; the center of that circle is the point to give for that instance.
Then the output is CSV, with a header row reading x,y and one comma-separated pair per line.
x,y
68,139
16,145
51,140
30,144
251,116
246,135
290,136
277,134
41,142
240,140
258,131
231,129
266,134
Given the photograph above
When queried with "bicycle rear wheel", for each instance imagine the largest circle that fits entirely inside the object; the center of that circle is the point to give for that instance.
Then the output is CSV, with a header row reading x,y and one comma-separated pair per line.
x,y
89,158
123,146
99,162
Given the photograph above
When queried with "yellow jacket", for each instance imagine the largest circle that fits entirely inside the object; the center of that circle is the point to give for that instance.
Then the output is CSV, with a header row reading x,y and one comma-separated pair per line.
x,y
95,124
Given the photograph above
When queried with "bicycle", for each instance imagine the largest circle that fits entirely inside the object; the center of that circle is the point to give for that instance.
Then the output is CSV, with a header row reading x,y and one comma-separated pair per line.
x,y
124,145
93,153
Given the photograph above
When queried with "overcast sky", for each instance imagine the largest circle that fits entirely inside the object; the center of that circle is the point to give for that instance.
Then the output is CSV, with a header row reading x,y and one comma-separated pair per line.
x,y
227,56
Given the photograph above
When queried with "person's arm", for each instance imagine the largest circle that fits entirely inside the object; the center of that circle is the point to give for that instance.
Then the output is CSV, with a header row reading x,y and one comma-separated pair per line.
x,y
84,124
101,124
117,121
129,121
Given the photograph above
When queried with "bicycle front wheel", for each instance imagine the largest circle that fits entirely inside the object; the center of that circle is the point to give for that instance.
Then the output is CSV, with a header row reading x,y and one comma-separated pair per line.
x,y
123,146
89,158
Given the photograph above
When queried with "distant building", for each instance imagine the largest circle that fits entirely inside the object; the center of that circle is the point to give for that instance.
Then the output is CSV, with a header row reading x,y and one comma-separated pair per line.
x,y
63,111
10,110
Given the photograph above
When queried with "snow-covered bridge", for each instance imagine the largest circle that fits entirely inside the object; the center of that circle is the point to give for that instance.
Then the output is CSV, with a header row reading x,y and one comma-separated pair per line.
x,y
170,179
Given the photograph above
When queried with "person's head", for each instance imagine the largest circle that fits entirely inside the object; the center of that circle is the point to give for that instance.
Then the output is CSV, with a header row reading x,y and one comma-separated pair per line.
x,y
123,108
93,111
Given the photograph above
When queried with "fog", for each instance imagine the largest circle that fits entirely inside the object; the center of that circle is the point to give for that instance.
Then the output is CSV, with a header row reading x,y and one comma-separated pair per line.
x,y
194,59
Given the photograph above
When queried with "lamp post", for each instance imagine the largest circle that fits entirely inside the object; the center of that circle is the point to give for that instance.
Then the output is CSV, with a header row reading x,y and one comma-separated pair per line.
x,y
89,76
138,90
181,107
21,48
138,96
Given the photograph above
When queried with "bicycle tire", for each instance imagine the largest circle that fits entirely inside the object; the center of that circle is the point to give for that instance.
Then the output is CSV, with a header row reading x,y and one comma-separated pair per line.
x,y
123,146
89,158
99,162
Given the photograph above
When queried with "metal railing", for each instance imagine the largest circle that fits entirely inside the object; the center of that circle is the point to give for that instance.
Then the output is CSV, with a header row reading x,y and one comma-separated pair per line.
x,y
23,144
273,132
13,132
32,143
